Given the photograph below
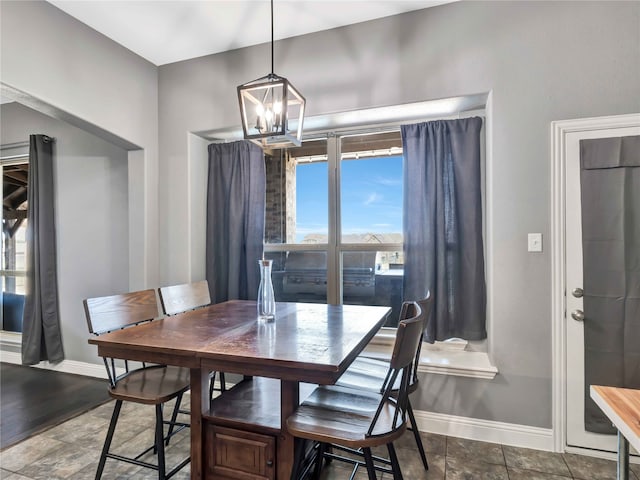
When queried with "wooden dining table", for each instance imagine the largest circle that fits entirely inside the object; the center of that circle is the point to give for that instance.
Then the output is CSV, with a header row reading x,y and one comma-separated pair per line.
x,y
622,407
312,343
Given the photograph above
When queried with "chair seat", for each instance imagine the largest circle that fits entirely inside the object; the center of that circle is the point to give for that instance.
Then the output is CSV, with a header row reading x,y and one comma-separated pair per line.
x,y
343,415
369,374
152,385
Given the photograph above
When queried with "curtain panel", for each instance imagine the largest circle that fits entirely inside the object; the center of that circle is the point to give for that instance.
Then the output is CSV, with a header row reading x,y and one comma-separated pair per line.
x,y
41,336
610,197
235,220
443,225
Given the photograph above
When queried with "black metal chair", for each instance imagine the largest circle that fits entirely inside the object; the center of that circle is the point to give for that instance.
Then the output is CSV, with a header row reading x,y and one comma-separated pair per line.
x,y
358,420
148,384
371,374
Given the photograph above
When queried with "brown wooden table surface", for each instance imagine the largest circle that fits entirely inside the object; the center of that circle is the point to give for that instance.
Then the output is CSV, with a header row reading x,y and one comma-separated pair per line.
x,y
622,407
312,343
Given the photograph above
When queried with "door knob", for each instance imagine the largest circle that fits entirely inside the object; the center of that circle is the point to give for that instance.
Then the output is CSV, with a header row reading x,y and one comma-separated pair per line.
x,y
578,315
577,292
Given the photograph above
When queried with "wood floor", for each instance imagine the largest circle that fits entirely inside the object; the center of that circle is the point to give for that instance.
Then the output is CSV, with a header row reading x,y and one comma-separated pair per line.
x,y
33,399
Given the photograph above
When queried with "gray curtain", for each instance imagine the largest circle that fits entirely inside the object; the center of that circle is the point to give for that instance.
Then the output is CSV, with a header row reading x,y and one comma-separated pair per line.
x,y
443,225
235,220
41,337
610,196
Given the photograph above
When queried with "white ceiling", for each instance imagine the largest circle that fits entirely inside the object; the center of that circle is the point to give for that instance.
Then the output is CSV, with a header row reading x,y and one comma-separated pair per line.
x,y
167,31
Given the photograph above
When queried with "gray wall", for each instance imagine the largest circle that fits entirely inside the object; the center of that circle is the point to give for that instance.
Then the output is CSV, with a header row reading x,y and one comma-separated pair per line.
x,y
60,62
91,208
543,61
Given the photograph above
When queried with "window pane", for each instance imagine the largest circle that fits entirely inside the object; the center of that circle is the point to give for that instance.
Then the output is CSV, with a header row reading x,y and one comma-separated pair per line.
x,y
12,297
371,188
297,194
299,276
13,262
312,202
373,278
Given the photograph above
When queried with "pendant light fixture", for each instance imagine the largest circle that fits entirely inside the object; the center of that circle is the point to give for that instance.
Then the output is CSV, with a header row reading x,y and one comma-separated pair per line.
x,y
272,109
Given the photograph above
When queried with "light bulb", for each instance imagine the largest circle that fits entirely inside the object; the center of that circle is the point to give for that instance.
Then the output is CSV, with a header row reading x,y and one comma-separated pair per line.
x,y
260,109
277,107
268,115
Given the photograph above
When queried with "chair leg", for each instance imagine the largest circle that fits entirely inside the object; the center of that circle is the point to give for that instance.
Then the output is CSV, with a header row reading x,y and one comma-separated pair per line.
x,y
416,434
159,444
107,441
174,417
322,447
395,465
299,448
212,381
368,460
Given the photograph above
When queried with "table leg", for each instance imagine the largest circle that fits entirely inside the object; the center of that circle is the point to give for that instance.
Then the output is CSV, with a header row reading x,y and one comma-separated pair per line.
x,y
289,400
199,385
623,457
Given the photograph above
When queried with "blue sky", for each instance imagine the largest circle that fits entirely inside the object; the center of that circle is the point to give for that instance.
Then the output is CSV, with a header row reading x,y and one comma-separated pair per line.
x,y
371,196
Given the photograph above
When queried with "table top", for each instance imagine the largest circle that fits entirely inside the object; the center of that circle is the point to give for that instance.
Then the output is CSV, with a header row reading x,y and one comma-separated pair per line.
x,y
307,342
622,407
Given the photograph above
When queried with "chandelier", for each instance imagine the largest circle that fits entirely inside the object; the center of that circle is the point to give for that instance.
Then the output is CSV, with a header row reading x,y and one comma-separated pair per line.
x,y
272,109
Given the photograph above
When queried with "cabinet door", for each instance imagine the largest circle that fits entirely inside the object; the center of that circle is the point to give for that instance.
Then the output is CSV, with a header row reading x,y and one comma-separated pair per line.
x,y
239,455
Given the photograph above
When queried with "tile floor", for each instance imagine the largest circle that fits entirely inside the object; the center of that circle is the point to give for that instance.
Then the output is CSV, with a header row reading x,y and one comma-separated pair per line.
x,y
71,451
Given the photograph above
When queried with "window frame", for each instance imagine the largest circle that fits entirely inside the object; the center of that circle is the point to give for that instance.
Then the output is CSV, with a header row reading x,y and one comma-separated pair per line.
x,y
334,247
21,158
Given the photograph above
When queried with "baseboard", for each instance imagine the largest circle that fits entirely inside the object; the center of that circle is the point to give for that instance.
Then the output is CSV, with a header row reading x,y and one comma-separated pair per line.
x,y
451,425
485,430
66,366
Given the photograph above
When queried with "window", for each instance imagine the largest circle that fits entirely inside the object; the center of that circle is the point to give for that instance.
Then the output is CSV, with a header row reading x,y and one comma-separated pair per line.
x,y
15,173
443,358
334,220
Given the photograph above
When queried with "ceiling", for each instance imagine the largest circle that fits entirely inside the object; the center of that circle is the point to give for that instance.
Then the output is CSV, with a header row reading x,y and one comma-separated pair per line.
x,y
167,31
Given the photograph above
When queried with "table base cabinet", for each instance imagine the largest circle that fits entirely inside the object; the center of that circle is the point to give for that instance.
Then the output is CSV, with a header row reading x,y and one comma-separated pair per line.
x,y
242,429
238,454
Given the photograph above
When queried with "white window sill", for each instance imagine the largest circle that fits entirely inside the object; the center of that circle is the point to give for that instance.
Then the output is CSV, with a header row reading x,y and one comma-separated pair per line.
x,y
10,339
441,359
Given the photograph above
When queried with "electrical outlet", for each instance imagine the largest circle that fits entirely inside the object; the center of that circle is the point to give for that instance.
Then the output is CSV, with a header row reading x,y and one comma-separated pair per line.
x,y
534,242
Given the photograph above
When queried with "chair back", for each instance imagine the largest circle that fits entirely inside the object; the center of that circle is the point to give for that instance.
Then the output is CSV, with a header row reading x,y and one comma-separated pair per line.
x,y
408,335
105,314
115,312
180,298
404,351
425,304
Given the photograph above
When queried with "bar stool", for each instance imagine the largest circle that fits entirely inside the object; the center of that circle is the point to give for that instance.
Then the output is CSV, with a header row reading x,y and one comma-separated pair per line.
x,y
189,296
360,419
371,374
149,384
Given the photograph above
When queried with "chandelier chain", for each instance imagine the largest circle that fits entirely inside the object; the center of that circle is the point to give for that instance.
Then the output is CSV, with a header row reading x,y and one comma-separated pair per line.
x,y
272,37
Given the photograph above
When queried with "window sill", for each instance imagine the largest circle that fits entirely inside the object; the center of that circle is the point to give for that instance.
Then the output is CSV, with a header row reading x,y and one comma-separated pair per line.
x,y
10,339
442,360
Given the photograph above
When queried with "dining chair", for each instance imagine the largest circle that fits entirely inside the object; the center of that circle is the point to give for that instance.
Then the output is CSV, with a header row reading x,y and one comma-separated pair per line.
x,y
359,419
371,373
146,384
189,296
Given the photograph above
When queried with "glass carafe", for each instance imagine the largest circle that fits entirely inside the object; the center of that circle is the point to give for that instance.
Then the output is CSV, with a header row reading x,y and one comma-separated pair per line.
x,y
266,299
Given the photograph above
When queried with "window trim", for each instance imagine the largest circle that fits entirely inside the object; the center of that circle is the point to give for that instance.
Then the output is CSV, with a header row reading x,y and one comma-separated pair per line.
x,y
8,338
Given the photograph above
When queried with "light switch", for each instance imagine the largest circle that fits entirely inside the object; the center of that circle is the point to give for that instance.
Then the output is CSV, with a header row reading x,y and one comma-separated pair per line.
x,y
534,242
